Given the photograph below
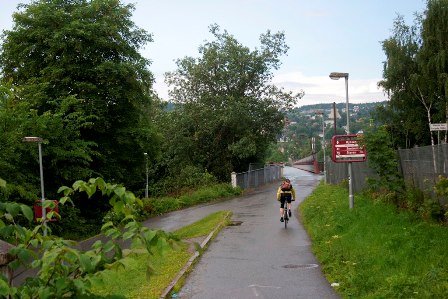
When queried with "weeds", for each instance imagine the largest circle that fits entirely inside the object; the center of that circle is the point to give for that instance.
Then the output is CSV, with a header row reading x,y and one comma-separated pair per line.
x,y
375,250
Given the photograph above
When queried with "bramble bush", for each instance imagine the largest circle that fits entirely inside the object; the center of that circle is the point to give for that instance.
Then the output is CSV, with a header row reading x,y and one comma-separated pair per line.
x,y
62,269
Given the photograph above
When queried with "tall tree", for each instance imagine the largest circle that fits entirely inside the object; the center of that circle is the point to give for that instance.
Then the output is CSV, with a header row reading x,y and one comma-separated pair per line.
x,y
433,56
416,72
401,76
65,154
230,110
81,59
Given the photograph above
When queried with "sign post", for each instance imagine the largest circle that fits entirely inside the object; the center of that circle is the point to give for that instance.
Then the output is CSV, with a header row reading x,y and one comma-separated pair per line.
x,y
345,148
438,128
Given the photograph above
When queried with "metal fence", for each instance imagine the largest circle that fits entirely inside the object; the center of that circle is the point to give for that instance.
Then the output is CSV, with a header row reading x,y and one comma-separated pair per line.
x,y
420,167
257,177
338,172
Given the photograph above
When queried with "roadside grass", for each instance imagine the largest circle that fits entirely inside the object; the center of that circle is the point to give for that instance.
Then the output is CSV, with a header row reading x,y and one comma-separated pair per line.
x,y
202,227
132,281
374,250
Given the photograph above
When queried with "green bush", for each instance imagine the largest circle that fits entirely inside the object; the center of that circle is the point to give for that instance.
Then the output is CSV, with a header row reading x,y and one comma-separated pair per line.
x,y
383,158
188,178
431,210
61,269
160,205
157,206
414,198
72,226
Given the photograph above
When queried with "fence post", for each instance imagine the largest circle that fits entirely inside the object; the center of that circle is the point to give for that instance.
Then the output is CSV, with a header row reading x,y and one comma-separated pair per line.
x,y
316,167
233,179
255,175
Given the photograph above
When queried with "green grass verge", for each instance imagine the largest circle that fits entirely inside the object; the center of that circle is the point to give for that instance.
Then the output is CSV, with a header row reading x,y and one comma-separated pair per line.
x,y
133,281
202,227
373,250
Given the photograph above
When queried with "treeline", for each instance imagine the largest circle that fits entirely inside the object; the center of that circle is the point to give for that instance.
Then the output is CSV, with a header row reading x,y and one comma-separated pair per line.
x,y
72,74
415,76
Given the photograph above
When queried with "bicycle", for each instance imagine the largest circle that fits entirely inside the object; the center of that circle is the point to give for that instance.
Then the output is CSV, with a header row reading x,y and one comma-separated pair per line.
x,y
286,215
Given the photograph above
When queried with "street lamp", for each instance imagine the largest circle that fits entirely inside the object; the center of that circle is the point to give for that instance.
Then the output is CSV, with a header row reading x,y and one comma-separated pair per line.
x,y
147,173
337,76
38,140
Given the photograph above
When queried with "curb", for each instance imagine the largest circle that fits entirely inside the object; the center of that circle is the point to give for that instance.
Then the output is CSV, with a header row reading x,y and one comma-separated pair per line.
x,y
187,266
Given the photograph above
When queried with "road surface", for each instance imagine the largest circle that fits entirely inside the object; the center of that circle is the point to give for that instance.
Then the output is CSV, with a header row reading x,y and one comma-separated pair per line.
x,y
256,257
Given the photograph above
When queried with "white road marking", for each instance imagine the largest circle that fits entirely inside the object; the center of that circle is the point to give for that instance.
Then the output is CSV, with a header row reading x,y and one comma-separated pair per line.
x,y
255,286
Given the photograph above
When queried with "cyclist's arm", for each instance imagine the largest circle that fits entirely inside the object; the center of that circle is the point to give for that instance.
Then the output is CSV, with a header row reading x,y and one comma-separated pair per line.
x,y
279,192
293,193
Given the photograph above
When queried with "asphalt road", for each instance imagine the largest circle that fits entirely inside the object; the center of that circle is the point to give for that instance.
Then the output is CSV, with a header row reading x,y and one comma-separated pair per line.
x,y
256,257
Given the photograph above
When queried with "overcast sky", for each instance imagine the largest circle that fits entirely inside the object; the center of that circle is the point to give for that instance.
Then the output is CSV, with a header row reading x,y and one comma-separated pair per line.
x,y
324,36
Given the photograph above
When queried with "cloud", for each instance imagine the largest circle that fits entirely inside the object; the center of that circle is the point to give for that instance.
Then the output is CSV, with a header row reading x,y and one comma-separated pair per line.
x,y
321,89
318,89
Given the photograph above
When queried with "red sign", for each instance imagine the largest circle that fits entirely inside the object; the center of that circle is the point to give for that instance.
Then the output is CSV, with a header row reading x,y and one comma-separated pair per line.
x,y
38,210
345,148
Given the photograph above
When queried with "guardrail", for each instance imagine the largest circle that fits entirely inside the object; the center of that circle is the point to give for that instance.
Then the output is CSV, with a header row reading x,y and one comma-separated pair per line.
x,y
258,177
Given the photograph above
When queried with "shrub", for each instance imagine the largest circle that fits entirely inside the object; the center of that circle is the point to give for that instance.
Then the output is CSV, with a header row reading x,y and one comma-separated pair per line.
x,y
160,205
414,198
383,159
187,179
72,225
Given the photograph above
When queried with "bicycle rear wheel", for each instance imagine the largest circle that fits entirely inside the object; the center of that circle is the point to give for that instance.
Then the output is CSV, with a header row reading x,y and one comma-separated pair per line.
x,y
285,217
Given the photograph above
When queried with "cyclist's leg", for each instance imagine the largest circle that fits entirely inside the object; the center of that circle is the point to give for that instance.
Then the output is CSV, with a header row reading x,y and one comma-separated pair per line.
x,y
282,206
289,207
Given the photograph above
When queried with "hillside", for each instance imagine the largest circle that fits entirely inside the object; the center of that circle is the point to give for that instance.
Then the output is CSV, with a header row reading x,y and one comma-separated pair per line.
x,y
339,106
304,126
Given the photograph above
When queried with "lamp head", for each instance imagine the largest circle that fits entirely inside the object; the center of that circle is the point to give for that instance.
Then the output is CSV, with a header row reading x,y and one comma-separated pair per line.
x,y
337,76
32,139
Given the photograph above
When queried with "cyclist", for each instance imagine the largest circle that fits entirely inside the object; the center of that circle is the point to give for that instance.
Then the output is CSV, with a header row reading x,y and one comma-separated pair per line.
x,y
285,193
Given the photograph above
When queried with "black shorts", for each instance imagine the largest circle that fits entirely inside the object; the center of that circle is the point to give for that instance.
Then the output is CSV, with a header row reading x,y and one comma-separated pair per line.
x,y
287,197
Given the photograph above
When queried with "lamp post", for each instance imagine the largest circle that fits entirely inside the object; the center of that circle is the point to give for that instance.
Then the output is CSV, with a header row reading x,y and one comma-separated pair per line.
x,y
38,140
147,173
337,76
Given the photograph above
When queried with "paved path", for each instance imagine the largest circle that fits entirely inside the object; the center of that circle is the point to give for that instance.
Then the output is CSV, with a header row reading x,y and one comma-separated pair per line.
x,y
258,258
